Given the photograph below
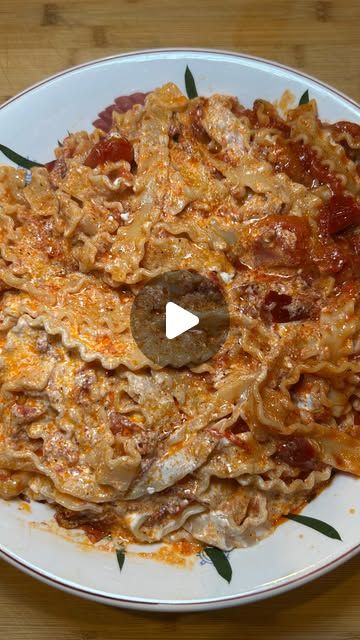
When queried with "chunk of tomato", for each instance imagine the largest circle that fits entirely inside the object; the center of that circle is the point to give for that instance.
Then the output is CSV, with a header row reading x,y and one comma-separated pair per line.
x,y
110,149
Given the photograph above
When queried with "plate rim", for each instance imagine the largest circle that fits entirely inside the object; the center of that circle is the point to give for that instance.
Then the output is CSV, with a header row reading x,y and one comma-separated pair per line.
x,y
137,52
206,603
146,604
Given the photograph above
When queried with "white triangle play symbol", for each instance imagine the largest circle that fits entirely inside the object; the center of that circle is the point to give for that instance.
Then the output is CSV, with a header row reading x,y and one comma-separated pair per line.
x,y
178,320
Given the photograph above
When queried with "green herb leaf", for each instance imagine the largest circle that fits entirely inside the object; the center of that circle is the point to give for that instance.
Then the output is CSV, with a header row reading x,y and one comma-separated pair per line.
x,y
314,523
220,562
190,84
120,554
304,98
19,160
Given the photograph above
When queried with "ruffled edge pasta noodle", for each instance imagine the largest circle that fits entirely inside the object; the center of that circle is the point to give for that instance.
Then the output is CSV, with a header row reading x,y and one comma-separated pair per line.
x,y
268,207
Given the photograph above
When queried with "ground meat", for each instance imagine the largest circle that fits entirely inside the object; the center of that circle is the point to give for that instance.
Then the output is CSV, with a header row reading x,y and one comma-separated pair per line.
x,y
25,414
61,449
84,378
95,527
42,343
298,452
174,129
278,307
120,423
173,507
145,440
274,301
197,128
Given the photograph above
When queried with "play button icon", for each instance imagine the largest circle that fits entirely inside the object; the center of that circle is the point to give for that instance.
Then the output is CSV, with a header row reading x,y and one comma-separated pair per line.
x,y
179,318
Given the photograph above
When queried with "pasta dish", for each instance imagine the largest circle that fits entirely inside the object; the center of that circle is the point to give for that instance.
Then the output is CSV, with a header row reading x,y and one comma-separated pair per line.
x,y
264,204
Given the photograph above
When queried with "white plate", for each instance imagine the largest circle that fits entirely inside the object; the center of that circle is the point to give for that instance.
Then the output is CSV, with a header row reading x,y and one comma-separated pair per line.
x,y
31,123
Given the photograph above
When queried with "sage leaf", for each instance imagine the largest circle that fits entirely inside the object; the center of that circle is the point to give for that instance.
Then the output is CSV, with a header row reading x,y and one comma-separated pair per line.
x,y
320,526
120,554
190,84
18,159
220,562
304,98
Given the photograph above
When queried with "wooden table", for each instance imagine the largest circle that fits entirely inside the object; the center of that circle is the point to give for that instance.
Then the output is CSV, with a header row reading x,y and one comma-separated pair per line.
x,y
39,38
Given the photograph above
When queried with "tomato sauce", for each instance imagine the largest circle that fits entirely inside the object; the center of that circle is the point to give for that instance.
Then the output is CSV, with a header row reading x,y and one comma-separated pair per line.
x,y
339,213
263,114
301,163
350,128
269,117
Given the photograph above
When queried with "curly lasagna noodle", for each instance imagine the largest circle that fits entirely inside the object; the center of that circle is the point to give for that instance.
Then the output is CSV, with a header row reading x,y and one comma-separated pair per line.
x,y
267,206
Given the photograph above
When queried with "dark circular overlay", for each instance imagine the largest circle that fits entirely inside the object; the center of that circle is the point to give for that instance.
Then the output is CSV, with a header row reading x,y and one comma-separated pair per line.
x,y
192,292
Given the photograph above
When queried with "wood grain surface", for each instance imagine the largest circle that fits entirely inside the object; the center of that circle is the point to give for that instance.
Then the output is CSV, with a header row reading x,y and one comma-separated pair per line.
x,y
320,37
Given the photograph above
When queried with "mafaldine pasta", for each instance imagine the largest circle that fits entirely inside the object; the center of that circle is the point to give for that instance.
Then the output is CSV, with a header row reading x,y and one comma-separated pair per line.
x,y
264,204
